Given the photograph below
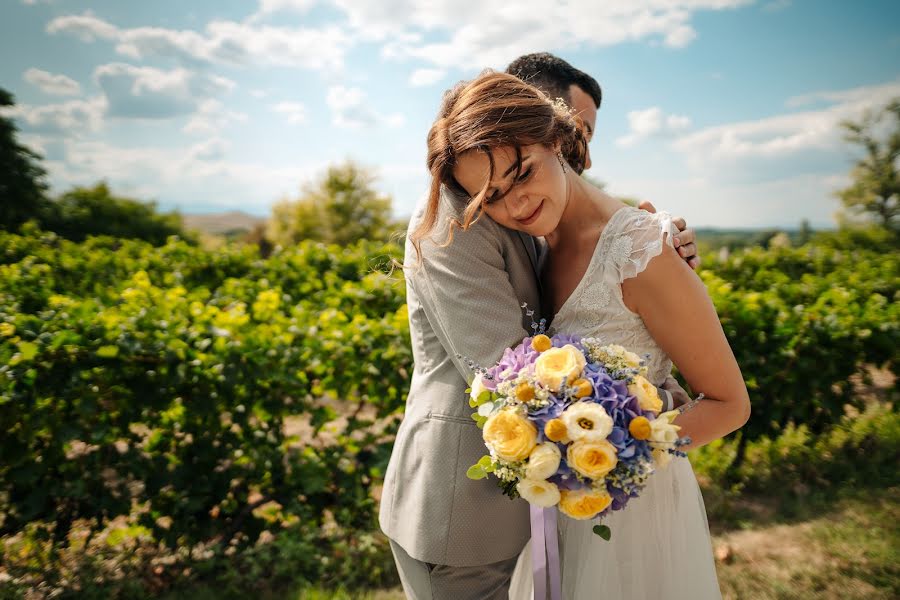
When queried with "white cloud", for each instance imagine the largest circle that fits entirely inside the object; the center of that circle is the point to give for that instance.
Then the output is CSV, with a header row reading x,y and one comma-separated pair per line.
x,y
652,122
210,150
475,33
63,118
268,7
423,77
294,111
769,141
171,175
211,118
85,27
222,42
150,93
58,85
351,111
782,202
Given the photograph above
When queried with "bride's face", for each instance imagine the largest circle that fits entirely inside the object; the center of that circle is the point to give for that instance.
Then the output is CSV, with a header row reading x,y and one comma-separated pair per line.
x,y
534,202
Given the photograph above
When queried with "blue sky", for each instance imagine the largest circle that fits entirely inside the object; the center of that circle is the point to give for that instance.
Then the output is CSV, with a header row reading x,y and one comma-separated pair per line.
x,y
724,111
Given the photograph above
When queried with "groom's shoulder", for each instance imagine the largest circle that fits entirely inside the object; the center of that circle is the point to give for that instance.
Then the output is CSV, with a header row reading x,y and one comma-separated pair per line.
x,y
451,208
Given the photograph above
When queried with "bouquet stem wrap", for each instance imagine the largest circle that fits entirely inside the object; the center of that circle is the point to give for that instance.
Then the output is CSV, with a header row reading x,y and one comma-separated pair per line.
x,y
545,553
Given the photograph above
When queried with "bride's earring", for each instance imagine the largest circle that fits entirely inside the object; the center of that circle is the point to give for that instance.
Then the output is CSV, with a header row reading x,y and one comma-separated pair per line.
x,y
562,162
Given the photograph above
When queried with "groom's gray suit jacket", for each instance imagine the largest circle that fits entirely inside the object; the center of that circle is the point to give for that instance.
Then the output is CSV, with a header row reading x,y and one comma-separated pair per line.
x,y
466,299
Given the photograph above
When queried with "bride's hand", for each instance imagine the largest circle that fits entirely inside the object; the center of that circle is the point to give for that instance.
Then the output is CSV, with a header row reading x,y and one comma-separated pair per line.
x,y
684,240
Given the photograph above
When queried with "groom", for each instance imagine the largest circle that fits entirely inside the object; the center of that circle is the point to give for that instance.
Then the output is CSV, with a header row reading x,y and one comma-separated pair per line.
x,y
452,537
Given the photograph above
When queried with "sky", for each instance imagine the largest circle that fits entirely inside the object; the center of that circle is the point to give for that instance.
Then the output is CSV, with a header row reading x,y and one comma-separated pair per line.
x,y
724,111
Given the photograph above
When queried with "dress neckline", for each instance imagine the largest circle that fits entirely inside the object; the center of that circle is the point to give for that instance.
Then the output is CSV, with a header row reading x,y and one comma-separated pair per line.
x,y
590,265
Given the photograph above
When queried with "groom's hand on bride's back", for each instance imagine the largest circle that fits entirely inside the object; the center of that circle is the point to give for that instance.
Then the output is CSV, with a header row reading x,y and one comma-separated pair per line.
x,y
685,239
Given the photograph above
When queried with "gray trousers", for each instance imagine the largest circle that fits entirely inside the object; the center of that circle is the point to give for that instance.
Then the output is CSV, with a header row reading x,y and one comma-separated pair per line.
x,y
425,581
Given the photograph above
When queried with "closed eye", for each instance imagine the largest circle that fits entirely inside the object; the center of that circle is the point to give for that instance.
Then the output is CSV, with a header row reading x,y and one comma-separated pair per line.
x,y
524,176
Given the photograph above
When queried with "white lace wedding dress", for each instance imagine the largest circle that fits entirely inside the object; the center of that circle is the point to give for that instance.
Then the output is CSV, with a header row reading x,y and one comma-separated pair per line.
x,y
660,547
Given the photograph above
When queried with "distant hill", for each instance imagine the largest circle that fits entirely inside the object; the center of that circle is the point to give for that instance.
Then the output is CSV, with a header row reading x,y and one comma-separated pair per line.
x,y
227,224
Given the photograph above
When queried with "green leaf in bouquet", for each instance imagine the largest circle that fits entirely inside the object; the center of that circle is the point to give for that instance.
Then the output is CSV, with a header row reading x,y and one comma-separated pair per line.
x,y
486,463
476,472
603,531
483,397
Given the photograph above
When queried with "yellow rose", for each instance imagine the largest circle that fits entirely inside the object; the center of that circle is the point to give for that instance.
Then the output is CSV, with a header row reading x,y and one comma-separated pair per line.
x,y
646,392
543,462
510,435
639,428
538,492
592,459
583,504
541,343
558,365
556,431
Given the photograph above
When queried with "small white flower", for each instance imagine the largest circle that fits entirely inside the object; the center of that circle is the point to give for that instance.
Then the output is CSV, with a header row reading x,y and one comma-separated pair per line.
x,y
477,387
663,430
539,492
587,421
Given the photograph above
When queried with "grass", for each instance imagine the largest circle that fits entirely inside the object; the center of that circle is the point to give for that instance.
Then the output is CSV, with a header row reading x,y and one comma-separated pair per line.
x,y
848,552
843,547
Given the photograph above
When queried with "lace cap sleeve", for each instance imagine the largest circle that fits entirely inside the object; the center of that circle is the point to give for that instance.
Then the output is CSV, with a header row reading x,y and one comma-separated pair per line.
x,y
638,238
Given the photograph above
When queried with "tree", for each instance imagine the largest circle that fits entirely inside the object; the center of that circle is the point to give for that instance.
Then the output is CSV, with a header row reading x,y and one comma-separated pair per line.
x,y
875,191
339,208
22,184
85,211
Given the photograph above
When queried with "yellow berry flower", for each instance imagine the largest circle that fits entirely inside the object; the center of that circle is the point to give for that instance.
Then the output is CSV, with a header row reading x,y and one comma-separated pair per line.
x,y
541,343
640,428
556,430
583,388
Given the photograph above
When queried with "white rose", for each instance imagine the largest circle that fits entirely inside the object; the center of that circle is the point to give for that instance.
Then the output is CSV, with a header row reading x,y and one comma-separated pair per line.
x,y
543,462
539,492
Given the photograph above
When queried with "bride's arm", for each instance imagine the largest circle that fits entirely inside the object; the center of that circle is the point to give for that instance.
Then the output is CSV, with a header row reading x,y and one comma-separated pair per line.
x,y
667,292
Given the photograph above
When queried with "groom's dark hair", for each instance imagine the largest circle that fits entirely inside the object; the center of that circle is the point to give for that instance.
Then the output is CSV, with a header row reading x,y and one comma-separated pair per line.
x,y
553,76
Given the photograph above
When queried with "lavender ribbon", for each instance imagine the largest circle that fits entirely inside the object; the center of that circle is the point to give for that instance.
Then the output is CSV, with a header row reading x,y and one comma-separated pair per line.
x,y
545,553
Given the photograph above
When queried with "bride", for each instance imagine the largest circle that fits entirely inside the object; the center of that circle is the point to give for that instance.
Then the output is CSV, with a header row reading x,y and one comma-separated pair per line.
x,y
611,272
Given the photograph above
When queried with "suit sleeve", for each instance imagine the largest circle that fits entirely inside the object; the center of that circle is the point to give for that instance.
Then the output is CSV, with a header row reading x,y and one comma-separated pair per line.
x,y
468,296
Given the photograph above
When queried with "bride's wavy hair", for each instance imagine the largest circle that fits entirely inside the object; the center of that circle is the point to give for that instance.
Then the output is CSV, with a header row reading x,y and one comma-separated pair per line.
x,y
490,111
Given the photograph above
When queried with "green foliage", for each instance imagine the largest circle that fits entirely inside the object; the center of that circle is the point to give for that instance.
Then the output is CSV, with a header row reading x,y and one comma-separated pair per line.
x,y
81,212
22,184
875,191
341,208
802,322
162,377
860,450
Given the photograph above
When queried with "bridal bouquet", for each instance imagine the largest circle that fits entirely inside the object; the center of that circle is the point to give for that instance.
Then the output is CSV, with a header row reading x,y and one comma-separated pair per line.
x,y
573,423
